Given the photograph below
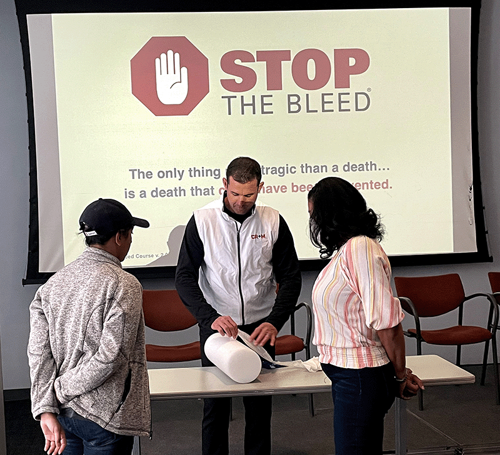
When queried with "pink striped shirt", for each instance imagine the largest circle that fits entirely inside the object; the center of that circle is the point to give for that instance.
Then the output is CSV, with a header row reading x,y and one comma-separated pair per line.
x,y
352,299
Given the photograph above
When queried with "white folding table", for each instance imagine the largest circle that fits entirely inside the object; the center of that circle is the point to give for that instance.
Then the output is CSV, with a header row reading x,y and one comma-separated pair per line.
x,y
209,382
433,371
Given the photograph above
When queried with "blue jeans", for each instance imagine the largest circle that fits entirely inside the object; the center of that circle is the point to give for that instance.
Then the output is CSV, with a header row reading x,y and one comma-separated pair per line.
x,y
361,399
86,437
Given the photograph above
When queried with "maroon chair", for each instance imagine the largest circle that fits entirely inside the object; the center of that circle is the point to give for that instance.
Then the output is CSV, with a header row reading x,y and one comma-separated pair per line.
x,y
165,312
291,343
494,278
431,296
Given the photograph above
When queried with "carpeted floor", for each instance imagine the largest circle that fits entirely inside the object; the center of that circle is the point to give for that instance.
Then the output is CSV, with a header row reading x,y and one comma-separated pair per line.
x,y
456,420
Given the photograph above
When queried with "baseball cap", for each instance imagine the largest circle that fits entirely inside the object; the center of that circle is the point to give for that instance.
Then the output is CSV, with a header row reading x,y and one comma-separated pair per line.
x,y
107,216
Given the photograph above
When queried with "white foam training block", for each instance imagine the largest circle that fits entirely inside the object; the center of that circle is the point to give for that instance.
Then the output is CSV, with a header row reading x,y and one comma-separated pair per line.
x,y
235,359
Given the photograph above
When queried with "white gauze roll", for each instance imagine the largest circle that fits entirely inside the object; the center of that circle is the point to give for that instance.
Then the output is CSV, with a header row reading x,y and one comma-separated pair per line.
x,y
235,359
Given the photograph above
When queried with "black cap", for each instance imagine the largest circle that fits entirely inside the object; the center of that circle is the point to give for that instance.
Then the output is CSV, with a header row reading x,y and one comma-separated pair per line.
x,y
107,216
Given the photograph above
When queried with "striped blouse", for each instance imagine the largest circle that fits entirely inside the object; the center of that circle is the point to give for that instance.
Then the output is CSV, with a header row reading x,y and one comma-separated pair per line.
x,y
352,299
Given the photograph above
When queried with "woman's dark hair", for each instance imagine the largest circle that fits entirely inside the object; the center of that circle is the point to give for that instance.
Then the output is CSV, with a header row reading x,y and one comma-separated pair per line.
x,y
339,212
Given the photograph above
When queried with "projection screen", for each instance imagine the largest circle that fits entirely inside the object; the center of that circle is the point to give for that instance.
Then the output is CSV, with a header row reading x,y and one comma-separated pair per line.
x,y
149,108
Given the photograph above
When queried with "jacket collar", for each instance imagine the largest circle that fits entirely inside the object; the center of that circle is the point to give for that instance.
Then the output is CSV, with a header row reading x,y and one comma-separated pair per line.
x,y
101,254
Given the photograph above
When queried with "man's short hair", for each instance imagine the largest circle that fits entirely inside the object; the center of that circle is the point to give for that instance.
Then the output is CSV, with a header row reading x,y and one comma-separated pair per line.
x,y
243,170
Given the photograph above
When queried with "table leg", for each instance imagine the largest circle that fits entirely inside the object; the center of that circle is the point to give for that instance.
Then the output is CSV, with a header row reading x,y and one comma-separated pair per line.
x,y
401,426
136,450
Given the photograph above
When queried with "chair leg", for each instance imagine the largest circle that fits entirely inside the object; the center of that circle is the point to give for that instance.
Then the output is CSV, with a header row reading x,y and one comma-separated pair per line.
x,y
495,366
420,393
485,361
311,405
420,400
459,352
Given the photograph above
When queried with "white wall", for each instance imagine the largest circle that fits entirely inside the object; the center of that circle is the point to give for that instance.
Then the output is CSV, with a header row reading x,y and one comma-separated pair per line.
x,y
14,203
14,193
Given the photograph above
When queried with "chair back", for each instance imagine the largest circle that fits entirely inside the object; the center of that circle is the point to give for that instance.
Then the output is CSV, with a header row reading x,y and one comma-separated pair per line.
x,y
164,311
431,295
494,278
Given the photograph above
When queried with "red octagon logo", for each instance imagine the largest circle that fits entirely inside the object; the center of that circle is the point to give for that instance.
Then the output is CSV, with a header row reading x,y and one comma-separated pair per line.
x,y
169,75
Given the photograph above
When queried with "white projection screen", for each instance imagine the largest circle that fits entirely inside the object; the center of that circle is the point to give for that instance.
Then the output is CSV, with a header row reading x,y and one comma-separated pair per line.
x,y
148,107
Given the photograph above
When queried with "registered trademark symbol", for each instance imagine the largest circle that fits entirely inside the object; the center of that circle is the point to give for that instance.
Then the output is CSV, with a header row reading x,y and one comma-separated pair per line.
x,y
368,89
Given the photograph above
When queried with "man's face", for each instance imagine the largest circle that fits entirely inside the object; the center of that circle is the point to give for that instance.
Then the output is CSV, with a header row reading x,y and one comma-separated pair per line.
x,y
241,197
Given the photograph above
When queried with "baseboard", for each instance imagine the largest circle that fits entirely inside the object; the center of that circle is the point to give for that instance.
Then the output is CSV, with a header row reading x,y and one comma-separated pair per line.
x,y
16,394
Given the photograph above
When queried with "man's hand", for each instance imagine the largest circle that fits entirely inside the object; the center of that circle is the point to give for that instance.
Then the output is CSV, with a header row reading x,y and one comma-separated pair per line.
x,y
171,79
264,333
225,326
55,438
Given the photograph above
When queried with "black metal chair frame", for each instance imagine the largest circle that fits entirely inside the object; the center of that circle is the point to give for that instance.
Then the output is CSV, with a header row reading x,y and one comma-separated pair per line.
x,y
492,326
306,340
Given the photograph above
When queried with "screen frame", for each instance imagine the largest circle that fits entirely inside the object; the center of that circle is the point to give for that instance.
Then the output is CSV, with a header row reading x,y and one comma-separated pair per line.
x,y
25,7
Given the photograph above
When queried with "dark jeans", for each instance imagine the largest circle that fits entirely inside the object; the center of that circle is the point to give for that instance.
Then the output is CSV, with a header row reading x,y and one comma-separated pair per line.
x,y
216,412
361,399
86,437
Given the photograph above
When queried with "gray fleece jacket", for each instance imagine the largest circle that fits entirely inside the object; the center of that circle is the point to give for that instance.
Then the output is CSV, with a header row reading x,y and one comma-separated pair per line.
x,y
86,347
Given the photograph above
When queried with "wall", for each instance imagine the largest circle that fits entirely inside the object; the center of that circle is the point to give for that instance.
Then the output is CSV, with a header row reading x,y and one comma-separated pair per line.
x,y
14,203
14,195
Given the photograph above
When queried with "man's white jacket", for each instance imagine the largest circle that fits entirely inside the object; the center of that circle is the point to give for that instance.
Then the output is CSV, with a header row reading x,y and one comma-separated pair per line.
x,y
231,268
237,277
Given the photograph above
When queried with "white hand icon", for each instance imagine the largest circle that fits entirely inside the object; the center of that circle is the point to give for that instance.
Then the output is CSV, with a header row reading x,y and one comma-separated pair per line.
x,y
171,79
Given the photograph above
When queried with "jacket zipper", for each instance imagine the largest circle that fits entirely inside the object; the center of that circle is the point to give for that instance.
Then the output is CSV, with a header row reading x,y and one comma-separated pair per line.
x,y
239,273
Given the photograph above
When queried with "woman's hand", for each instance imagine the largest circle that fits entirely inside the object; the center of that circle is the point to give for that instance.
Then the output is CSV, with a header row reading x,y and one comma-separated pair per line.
x,y
55,438
410,387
